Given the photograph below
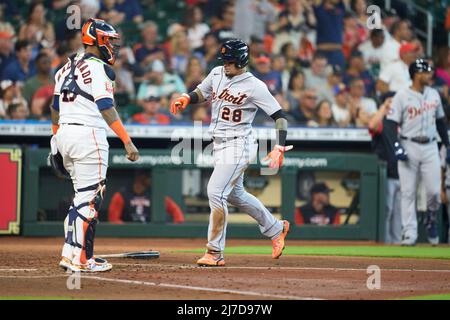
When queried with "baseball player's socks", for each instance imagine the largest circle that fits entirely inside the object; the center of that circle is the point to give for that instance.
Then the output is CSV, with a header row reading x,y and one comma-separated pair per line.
x,y
212,259
278,243
431,226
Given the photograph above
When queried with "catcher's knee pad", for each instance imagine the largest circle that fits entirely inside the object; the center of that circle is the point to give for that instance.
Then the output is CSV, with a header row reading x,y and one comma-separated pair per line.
x,y
71,217
97,199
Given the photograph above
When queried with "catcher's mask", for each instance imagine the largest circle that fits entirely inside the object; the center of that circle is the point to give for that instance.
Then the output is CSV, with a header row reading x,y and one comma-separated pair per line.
x,y
97,32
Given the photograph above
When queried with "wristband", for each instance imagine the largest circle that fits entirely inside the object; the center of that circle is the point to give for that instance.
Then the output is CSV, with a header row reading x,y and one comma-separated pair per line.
x,y
120,131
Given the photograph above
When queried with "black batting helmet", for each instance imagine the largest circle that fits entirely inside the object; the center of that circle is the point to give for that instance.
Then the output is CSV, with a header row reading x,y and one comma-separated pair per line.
x,y
420,65
235,50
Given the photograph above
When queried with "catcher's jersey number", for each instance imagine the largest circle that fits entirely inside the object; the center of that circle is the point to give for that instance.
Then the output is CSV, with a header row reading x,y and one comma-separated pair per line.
x,y
235,116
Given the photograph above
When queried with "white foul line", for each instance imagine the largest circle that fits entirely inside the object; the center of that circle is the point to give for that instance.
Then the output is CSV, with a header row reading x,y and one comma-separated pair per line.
x,y
268,268
14,270
176,286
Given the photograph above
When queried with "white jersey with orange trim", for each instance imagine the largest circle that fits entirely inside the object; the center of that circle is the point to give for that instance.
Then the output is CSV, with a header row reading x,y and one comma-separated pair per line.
x,y
91,77
235,102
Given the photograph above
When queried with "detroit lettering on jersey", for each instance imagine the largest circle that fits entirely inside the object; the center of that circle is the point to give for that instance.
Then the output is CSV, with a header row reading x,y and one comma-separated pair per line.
x,y
235,101
413,111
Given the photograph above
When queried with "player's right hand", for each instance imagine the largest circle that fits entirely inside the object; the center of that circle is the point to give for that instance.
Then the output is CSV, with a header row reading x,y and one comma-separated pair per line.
x,y
179,103
400,152
132,151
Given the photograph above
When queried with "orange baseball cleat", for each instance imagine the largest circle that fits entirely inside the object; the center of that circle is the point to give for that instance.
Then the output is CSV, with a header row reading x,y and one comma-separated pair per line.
x,y
212,259
278,243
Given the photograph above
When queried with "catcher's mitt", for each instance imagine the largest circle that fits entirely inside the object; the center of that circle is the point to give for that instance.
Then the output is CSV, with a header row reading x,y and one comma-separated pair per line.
x,y
56,161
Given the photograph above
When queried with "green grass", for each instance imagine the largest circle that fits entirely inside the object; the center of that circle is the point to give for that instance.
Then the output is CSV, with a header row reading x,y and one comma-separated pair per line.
x,y
34,298
445,296
427,252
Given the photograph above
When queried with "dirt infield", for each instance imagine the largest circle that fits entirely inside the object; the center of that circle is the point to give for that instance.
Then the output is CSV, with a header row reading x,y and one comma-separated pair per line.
x,y
28,267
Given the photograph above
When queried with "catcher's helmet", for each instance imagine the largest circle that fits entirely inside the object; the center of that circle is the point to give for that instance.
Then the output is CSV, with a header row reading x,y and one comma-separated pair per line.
x,y
235,50
97,32
420,65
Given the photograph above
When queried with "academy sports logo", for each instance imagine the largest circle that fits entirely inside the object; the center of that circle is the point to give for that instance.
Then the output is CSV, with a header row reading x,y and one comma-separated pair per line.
x,y
109,87
228,97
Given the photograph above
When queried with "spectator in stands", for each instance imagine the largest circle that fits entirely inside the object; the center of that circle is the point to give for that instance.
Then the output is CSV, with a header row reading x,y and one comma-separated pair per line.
x,y
133,203
401,31
194,74
443,65
200,113
209,50
124,78
306,109
37,30
363,108
330,24
327,91
396,76
318,210
43,77
372,50
298,18
223,30
253,19
148,50
41,101
357,69
74,42
265,73
306,50
17,111
151,113
359,9
179,52
316,76
21,67
9,94
354,35
292,59
324,116
132,9
160,83
383,148
6,47
109,11
196,27
341,108
296,87
63,53
279,65
389,18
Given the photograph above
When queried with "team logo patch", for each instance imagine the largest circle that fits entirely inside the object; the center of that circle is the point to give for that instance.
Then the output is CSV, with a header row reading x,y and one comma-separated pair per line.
x,y
109,87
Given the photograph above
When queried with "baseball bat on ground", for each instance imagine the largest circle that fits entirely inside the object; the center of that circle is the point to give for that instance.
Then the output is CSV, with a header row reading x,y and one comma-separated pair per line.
x,y
150,254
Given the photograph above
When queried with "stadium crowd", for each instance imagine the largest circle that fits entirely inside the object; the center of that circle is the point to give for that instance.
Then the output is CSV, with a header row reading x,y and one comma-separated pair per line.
x,y
321,59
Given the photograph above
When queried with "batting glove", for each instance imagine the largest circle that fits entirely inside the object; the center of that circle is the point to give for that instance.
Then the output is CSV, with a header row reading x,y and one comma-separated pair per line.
x,y
180,103
400,153
276,156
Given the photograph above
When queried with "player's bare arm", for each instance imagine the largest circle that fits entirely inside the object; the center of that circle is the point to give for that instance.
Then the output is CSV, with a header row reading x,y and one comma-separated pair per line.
x,y
180,103
113,120
55,119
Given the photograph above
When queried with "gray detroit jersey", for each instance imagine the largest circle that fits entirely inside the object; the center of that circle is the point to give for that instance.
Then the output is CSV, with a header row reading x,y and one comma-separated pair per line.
x,y
235,102
416,113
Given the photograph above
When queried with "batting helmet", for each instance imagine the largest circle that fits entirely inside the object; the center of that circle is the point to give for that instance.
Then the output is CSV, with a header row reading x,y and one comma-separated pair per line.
x,y
97,32
235,50
420,65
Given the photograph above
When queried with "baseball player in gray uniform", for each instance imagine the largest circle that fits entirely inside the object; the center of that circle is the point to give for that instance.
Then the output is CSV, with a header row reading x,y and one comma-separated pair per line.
x,y
418,112
236,96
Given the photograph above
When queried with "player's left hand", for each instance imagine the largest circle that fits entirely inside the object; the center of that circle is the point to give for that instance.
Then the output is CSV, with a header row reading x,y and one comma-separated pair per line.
x,y
276,156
